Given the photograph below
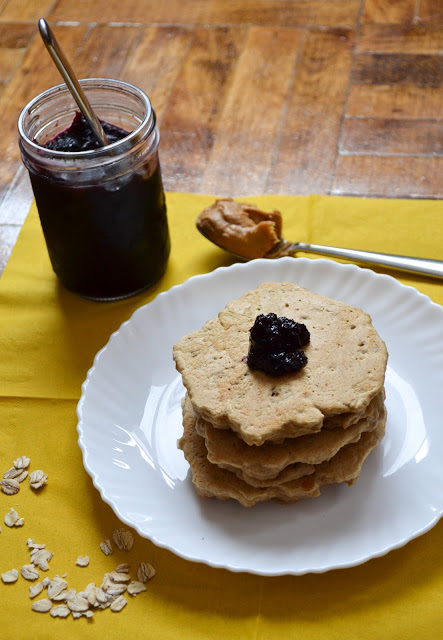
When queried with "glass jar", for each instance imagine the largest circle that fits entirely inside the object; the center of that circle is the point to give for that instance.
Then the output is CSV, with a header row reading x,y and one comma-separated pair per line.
x,y
103,211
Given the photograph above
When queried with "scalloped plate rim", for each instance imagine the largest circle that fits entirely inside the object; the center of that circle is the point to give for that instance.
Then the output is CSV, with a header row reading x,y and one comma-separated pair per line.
x,y
424,299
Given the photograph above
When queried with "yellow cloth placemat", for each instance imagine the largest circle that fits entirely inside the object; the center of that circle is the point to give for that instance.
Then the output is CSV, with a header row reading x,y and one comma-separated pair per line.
x,y
48,339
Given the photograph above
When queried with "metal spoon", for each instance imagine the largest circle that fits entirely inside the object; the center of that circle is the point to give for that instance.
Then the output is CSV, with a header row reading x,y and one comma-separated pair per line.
x,y
69,77
423,266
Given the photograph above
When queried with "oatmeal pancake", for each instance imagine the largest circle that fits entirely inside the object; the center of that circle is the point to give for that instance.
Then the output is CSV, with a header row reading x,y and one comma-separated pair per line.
x,y
345,369
292,472
213,481
267,461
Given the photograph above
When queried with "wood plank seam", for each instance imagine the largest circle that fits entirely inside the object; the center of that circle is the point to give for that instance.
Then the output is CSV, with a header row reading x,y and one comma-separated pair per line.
x,y
285,110
348,92
416,12
364,117
171,89
227,91
132,47
391,154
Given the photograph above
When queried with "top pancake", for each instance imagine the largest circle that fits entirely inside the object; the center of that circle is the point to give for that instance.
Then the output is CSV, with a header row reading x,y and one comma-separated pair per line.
x,y
345,370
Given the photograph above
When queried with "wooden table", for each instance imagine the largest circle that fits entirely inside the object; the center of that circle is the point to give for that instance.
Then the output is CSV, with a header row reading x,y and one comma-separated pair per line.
x,y
252,96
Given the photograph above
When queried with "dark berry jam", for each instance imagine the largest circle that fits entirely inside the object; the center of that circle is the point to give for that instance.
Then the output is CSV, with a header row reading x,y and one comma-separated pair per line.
x,y
105,240
80,137
279,333
274,345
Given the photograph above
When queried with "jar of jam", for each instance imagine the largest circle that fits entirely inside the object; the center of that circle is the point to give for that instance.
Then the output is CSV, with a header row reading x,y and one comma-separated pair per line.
x,y
102,209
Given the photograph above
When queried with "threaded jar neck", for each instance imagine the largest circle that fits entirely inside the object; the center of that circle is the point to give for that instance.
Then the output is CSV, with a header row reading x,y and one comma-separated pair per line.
x,y
114,101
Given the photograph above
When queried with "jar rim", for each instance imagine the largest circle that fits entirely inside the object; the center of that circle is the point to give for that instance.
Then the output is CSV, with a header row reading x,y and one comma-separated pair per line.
x,y
62,88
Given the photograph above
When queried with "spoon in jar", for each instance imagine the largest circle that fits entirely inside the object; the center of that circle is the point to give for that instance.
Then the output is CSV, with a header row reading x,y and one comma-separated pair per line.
x,y
73,84
423,266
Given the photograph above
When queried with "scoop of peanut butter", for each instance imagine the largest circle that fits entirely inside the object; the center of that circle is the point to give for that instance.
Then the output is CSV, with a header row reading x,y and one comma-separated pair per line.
x,y
241,228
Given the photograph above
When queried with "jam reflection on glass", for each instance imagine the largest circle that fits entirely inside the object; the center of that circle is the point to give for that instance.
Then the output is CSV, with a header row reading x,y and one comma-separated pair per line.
x,y
106,240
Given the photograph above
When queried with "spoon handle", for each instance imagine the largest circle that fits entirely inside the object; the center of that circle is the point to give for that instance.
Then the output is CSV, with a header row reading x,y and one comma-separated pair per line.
x,y
425,266
69,77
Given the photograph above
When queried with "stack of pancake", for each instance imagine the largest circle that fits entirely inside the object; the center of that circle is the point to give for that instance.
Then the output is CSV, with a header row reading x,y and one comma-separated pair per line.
x,y
253,437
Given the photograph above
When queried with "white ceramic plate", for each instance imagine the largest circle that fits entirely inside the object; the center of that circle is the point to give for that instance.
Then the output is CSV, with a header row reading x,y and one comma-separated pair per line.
x,y
130,419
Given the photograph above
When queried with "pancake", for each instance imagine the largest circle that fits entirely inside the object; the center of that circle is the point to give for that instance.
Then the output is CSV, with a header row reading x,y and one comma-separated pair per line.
x,y
211,480
345,369
227,450
292,472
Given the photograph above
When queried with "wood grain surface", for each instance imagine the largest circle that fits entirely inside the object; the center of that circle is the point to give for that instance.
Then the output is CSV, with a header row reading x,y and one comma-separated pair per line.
x,y
252,96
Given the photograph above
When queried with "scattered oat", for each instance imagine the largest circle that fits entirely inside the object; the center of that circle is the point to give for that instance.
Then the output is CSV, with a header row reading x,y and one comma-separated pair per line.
x,y
56,586
37,479
145,572
123,568
90,594
11,517
42,606
78,604
70,594
107,582
41,557
106,547
102,597
115,576
65,594
123,539
35,589
79,614
12,473
22,476
9,486
136,587
60,611
10,576
29,572
33,545
118,604
109,594
114,589
22,462
117,538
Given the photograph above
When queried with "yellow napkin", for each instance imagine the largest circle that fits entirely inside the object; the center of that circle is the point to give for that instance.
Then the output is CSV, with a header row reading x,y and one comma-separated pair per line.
x,y
48,339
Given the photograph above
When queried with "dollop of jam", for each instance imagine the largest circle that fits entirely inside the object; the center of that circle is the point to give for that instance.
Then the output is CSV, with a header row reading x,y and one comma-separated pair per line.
x,y
275,343
80,137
